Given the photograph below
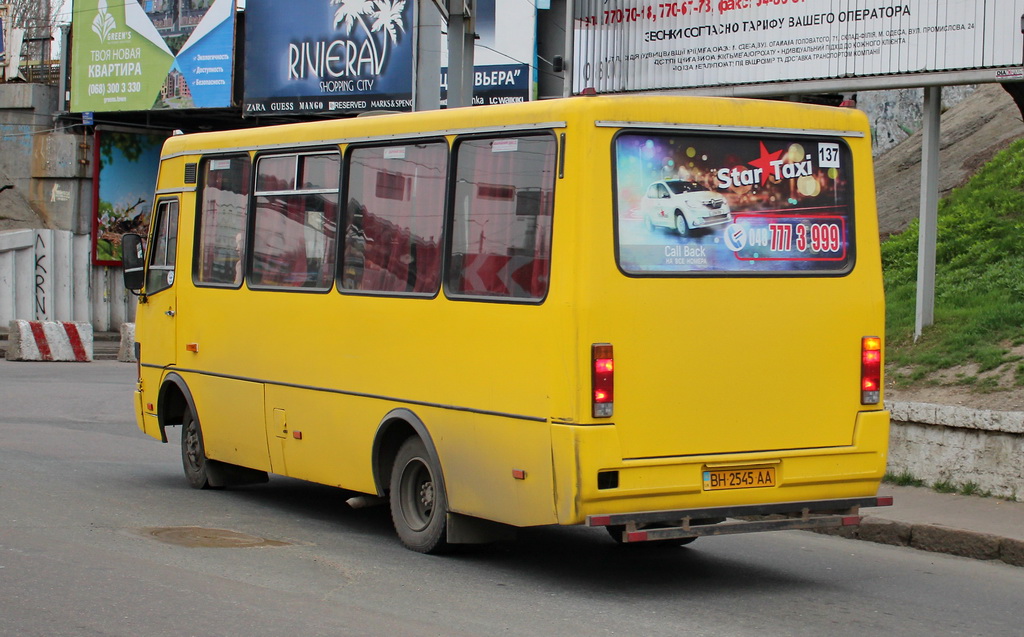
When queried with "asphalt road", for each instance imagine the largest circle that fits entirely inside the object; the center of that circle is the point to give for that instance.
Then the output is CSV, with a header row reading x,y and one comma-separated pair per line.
x,y
88,504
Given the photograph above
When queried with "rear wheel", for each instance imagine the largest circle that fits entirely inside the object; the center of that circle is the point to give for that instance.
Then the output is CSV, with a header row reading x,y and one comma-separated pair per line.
x,y
419,507
193,455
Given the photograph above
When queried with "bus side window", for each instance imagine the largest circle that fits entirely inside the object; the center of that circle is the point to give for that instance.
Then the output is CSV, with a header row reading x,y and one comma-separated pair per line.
x,y
394,218
296,220
223,217
501,232
160,274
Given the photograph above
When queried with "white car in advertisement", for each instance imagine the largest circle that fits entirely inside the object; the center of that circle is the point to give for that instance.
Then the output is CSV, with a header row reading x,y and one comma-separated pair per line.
x,y
683,205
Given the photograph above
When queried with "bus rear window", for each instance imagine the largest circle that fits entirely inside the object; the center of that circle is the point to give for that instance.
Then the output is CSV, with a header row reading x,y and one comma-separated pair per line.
x,y
692,204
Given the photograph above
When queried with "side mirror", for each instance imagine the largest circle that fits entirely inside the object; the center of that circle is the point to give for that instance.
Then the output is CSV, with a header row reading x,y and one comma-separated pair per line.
x,y
133,260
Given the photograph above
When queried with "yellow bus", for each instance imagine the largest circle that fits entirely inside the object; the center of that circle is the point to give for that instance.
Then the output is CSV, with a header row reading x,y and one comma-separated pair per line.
x,y
661,315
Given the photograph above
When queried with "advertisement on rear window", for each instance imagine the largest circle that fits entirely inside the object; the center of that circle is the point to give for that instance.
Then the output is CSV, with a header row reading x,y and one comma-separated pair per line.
x,y
703,204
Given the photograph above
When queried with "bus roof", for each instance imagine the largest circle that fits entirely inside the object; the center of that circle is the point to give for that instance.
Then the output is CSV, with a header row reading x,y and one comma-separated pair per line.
x,y
656,110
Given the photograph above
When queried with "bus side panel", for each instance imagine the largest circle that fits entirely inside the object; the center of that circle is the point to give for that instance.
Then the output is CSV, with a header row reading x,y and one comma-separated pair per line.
x,y
481,457
231,416
322,437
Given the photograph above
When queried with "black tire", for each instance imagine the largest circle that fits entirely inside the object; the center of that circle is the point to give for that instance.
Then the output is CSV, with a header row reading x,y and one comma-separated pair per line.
x,y
193,454
419,506
682,227
617,530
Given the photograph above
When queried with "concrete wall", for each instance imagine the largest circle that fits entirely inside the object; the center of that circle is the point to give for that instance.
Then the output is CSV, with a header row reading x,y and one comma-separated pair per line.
x,y
46,275
938,443
46,210
47,171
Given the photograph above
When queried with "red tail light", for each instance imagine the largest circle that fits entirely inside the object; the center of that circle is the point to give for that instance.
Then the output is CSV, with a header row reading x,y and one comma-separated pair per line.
x,y
602,379
870,370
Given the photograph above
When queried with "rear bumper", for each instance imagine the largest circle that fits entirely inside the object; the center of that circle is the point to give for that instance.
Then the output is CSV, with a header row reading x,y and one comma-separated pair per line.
x,y
655,485
691,523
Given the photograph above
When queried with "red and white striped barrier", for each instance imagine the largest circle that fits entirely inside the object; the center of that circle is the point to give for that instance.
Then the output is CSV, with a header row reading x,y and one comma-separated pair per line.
x,y
49,341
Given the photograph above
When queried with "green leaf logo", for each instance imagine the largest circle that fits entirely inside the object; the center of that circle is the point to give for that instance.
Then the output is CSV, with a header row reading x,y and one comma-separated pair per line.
x,y
103,23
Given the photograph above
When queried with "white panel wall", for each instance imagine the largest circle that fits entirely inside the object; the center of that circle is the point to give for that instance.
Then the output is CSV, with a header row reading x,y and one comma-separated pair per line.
x,y
48,275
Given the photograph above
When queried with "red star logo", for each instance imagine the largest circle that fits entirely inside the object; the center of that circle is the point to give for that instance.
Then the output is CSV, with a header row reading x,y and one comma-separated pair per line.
x,y
764,162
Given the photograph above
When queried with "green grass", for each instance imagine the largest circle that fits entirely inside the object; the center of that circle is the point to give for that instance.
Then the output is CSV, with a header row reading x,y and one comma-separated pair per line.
x,y
979,280
907,479
973,488
904,479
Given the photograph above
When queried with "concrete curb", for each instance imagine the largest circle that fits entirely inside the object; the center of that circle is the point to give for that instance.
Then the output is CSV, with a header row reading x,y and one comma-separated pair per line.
x,y
49,341
935,538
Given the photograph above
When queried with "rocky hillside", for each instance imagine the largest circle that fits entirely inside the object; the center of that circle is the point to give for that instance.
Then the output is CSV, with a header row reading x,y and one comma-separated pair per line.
x,y
974,130
895,115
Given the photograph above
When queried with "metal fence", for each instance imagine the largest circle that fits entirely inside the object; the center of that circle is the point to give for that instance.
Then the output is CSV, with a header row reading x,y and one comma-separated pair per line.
x,y
41,73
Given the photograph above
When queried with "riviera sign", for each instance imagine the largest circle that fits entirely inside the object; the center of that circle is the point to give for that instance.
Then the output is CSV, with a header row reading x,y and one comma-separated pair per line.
x,y
313,56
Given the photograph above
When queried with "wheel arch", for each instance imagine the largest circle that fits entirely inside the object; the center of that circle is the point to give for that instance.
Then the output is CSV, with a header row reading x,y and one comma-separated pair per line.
x,y
397,426
174,398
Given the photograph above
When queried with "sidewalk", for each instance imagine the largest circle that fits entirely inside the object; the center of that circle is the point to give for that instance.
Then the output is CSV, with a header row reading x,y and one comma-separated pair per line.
x,y
968,526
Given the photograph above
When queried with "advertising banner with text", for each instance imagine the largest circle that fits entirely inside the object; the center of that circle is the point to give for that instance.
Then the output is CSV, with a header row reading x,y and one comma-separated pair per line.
x,y
322,56
138,55
503,58
625,45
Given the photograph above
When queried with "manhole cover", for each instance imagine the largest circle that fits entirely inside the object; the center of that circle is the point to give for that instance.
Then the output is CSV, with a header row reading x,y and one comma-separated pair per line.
x,y
195,536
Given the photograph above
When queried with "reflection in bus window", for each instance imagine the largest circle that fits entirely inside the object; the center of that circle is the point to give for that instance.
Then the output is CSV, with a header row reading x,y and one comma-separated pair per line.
x,y
160,274
223,216
295,228
501,233
394,218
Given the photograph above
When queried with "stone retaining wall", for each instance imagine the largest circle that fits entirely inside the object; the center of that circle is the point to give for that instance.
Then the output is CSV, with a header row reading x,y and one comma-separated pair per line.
x,y
959,446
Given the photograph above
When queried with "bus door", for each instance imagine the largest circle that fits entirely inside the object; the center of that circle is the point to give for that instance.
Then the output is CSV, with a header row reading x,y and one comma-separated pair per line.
x,y
156,331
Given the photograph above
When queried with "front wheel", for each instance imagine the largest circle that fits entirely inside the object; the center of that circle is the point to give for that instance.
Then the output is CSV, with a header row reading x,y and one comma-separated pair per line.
x,y
419,506
193,454
681,226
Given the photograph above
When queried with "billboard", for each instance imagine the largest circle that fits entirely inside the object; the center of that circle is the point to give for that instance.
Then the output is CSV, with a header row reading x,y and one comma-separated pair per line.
x,y
322,56
503,59
125,176
622,45
138,55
